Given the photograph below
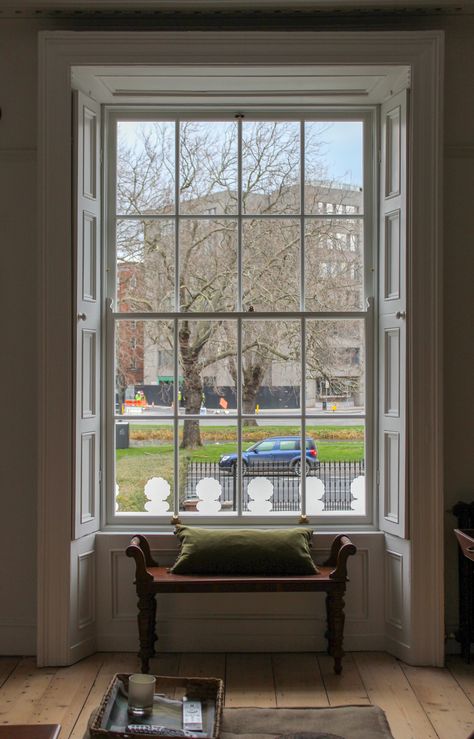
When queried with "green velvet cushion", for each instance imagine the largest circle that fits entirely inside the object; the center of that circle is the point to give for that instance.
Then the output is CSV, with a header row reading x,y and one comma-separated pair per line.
x,y
244,552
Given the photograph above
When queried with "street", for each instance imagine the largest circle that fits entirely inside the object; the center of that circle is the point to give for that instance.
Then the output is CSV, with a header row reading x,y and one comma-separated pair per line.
x,y
346,417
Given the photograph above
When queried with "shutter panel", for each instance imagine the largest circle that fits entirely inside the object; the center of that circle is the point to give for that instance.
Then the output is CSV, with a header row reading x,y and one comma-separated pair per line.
x,y
392,323
88,314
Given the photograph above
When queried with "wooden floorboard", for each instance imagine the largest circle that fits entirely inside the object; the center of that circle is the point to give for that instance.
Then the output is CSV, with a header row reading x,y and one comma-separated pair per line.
x,y
7,665
249,681
203,665
346,689
443,700
22,692
66,694
463,673
298,681
420,703
387,687
111,664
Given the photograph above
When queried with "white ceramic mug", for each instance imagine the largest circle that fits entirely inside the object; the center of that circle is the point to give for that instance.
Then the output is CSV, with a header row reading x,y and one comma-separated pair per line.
x,y
141,689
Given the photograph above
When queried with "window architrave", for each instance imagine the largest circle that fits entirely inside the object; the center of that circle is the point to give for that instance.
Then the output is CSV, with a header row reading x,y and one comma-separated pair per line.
x,y
58,53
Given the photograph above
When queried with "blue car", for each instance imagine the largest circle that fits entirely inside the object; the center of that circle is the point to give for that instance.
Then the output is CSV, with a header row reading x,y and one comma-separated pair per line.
x,y
279,452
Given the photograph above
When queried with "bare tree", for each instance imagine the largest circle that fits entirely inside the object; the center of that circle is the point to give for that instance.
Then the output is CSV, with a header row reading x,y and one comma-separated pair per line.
x,y
271,257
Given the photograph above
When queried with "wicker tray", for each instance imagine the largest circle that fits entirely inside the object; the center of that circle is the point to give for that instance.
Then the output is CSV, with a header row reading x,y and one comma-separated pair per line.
x,y
112,719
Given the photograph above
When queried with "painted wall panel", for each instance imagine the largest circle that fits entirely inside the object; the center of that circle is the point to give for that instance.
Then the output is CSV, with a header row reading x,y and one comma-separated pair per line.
x,y
392,373
89,372
89,144
88,476
83,595
86,589
392,256
394,589
393,149
397,584
391,480
89,257
233,622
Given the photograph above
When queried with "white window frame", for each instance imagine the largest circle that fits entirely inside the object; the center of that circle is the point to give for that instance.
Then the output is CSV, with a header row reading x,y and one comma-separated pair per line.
x,y
423,52
367,115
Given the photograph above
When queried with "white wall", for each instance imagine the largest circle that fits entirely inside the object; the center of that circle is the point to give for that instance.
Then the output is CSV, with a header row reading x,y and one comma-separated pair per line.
x,y
21,302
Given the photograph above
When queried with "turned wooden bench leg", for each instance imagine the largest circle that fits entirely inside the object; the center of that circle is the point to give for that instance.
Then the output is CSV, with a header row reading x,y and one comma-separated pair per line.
x,y
335,622
146,628
329,623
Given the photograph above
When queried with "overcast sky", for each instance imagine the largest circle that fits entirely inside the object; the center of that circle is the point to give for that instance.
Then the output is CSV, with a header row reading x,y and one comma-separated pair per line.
x,y
344,151
341,150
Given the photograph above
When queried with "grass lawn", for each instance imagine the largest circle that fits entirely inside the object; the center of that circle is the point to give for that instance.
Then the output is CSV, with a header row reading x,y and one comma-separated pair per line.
x,y
135,466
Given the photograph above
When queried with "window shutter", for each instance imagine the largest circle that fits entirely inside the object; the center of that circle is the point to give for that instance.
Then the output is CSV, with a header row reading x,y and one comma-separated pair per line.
x,y
392,316
88,314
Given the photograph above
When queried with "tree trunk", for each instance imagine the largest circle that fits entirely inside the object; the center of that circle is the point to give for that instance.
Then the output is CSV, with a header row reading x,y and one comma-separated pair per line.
x,y
121,388
192,399
252,380
192,389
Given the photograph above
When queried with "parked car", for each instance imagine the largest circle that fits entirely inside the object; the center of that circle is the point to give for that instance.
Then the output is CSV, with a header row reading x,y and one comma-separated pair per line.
x,y
279,452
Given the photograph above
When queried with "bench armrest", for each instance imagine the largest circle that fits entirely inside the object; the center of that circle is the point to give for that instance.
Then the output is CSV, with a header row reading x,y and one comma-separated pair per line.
x,y
139,549
341,549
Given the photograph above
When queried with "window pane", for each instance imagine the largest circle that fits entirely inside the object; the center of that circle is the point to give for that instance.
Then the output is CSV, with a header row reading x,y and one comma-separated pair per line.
x,y
333,167
271,461
207,482
145,167
335,366
184,260
145,265
144,467
271,264
270,167
144,368
208,167
207,360
334,265
271,366
208,265
337,480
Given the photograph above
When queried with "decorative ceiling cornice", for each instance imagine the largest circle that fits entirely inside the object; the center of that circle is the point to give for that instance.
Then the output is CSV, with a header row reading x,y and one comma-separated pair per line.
x,y
213,8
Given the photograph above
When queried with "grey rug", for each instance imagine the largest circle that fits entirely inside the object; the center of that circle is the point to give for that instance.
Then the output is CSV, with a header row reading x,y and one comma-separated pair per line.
x,y
346,722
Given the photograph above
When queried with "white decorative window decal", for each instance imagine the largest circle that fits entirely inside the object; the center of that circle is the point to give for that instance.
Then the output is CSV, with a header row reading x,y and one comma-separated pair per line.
x,y
260,491
208,491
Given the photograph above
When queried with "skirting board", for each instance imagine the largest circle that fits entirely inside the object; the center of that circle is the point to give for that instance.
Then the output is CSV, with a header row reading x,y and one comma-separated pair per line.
x,y
17,639
194,641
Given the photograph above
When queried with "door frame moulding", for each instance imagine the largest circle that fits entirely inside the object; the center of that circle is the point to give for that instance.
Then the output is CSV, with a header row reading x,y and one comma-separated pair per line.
x,y
58,53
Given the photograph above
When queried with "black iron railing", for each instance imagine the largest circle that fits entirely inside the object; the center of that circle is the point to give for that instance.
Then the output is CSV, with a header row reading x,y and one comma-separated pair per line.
x,y
335,476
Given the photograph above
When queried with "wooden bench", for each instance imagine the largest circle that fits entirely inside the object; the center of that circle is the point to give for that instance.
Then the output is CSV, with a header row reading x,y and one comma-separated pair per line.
x,y
151,579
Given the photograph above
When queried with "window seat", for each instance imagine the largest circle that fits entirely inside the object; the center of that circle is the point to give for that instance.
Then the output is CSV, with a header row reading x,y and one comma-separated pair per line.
x,y
151,579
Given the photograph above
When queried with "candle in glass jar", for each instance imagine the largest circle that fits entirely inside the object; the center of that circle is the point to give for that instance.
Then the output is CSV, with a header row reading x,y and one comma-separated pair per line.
x,y
141,689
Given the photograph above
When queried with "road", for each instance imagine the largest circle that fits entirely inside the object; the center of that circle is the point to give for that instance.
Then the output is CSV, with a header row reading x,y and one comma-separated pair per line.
x,y
346,417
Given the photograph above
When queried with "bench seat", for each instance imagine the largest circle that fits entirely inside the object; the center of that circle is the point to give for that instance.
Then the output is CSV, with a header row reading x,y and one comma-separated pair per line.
x,y
151,579
165,582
